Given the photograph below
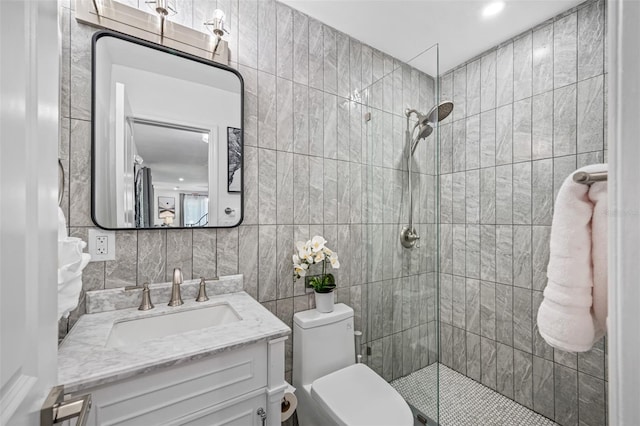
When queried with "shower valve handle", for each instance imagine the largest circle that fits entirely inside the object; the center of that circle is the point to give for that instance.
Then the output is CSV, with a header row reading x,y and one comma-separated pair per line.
x,y
409,238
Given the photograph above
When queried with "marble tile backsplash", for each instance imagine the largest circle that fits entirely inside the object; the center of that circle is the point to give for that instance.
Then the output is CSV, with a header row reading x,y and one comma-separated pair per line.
x,y
527,114
312,166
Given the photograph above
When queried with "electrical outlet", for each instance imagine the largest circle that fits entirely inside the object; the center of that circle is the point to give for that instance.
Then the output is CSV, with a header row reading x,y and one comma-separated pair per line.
x,y
102,245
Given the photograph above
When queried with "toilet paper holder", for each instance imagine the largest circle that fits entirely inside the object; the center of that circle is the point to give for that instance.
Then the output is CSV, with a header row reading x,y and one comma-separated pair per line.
x,y
288,404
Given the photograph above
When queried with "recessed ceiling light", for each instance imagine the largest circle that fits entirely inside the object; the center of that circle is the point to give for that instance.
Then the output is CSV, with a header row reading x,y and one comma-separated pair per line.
x,y
175,188
181,179
492,9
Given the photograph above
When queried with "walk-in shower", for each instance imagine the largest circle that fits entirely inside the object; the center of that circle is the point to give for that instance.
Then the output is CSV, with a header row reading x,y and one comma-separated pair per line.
x,y
424,126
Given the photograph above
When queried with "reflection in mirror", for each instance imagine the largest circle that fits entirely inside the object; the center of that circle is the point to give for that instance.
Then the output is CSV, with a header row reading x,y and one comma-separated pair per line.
x,y
171,167
167,138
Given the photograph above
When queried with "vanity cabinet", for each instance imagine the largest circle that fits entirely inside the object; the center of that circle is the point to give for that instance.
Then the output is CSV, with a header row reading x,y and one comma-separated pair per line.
x,y
227,388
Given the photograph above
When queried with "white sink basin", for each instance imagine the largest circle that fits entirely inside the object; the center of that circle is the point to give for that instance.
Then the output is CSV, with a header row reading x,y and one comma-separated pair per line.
x,y
133,331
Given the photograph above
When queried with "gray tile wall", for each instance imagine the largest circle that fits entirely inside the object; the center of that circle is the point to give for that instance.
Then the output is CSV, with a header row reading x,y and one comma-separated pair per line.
x,y
309,169
527,113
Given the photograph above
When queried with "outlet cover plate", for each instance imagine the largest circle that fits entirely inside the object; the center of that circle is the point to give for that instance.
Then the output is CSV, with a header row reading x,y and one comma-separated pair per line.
x,y
102,245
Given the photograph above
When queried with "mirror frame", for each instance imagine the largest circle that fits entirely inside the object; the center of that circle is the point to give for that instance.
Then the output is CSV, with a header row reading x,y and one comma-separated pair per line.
x,y
106,33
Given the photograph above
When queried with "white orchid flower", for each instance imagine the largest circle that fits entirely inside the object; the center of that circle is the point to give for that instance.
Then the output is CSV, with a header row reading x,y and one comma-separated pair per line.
x,y
313,252
301,246
301,270
317,243
304,251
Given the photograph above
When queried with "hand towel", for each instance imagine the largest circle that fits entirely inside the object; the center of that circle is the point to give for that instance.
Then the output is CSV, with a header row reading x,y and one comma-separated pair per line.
x,y
71,262
572,315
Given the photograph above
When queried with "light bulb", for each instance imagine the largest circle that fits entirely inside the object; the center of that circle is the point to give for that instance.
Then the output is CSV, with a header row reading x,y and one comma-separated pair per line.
x,y
217,24
219,15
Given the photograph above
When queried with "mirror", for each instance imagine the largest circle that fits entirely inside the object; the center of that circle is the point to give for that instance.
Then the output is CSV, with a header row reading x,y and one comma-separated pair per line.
x,y
167,137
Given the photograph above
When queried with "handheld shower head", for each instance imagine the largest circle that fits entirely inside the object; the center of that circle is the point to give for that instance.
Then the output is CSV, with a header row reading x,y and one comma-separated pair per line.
x,y
424,130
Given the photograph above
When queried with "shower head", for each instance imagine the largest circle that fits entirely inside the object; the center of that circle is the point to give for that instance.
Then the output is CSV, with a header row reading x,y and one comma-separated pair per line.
x,y
440,112
424,130
426,122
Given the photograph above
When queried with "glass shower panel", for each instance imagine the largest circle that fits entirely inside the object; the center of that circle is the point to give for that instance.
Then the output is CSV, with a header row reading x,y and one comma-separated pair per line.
x,y
400,295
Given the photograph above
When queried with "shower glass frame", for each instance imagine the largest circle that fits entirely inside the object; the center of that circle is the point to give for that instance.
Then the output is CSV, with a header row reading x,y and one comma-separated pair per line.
x,y
381,235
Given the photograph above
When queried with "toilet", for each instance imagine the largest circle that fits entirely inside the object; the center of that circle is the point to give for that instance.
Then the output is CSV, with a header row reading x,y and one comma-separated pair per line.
x,y
331,388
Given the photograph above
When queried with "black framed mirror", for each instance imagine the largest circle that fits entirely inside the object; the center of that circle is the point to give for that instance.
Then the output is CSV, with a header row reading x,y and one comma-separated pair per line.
x,y
167,147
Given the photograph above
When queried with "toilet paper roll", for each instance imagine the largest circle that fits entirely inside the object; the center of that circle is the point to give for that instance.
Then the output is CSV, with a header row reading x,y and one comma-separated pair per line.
x,y
289,403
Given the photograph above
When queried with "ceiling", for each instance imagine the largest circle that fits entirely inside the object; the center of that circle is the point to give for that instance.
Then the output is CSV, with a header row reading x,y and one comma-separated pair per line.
x,y
406,28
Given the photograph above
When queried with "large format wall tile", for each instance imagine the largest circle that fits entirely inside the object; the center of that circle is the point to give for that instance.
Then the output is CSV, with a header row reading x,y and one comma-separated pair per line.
x,y
591,37
565,51
504,74
522,67
543,59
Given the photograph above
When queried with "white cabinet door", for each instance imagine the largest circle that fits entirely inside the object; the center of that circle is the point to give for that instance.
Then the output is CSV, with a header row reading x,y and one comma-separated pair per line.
x,y
29,85
244,413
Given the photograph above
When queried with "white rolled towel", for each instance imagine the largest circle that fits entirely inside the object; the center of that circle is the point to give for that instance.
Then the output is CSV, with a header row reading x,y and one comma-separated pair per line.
x,y
71,262
572,315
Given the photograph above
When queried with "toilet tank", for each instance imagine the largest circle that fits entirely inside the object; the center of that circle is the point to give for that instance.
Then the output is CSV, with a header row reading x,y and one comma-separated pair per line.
x,y
322,343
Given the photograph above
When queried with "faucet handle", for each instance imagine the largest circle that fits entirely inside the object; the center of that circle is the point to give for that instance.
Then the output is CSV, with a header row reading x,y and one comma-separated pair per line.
x,y
202,292
145,304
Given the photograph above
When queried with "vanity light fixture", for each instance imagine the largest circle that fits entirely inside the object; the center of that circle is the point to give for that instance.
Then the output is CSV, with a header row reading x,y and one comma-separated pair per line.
x,y
163,8
218,26
493,9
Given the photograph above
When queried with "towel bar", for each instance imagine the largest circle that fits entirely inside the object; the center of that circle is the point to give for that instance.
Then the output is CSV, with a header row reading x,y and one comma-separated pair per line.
x,y
588,178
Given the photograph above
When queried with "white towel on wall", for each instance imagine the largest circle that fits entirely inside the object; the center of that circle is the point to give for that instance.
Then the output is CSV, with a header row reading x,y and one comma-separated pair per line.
x,y
71,262
572,315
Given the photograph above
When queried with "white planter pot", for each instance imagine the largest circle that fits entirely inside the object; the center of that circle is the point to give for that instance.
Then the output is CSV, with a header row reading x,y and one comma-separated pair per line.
x,y
324,302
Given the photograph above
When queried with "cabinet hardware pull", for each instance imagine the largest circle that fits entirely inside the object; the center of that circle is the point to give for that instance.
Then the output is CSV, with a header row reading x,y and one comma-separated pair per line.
x,y
263,415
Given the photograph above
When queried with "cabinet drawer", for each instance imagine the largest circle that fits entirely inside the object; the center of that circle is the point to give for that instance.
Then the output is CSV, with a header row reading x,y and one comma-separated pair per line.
x,y
177,391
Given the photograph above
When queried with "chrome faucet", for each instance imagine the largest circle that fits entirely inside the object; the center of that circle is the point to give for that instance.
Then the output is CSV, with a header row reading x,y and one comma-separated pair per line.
x,y
176,299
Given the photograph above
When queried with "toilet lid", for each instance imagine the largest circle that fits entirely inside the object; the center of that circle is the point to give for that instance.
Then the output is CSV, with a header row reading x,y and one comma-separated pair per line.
x,y
357,396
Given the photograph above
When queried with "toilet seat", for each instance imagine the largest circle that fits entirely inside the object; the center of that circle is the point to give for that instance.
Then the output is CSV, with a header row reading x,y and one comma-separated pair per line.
x,y
357,396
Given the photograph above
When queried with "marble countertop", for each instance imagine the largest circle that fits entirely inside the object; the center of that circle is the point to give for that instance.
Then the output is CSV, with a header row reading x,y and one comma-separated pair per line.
x,y
85,362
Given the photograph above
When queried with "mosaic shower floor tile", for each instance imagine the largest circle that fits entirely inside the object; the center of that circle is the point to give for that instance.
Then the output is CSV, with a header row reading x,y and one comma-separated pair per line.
x,y
463,401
